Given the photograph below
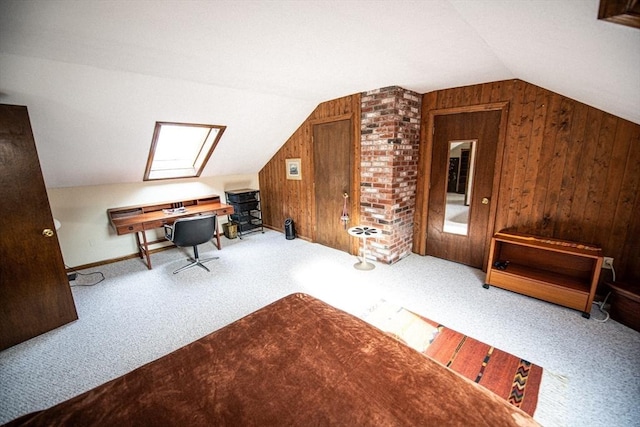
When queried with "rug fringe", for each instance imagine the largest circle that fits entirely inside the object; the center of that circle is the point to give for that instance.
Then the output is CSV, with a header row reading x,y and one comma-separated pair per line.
x,y
552,400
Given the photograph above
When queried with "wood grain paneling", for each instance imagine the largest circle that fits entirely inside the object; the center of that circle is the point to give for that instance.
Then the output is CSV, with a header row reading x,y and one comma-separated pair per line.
x,y
282,198
569,171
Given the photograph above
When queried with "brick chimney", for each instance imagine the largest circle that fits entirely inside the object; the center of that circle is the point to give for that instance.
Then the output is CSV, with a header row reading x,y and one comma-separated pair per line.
x,y
390,129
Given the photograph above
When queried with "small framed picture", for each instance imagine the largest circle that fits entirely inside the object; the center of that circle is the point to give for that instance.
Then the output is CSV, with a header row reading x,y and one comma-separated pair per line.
x,y
293,169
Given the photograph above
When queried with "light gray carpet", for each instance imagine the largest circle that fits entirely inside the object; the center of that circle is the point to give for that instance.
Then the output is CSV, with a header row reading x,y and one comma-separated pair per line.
x,y
135,316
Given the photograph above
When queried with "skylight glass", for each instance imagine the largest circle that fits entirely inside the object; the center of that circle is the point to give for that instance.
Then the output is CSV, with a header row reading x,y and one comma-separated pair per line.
x,y
181,150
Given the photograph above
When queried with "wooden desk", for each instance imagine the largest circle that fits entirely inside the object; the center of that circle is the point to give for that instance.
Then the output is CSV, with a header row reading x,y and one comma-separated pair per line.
x,y
138,219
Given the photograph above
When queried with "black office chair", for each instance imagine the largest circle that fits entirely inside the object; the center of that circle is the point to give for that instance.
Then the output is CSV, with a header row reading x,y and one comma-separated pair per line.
x,y
192,231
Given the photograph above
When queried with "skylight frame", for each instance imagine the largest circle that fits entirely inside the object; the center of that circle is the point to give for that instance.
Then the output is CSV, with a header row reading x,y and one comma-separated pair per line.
x,y
191,166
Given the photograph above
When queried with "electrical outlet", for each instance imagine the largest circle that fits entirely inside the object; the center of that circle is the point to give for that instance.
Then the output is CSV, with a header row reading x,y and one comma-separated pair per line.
x,y
607,263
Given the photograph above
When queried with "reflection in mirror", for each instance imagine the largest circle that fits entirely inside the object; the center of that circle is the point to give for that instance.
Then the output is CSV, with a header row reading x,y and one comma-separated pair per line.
x,y
459,187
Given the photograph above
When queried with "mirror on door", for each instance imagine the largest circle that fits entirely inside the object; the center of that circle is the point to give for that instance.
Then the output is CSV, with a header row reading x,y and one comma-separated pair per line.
x,y
459,187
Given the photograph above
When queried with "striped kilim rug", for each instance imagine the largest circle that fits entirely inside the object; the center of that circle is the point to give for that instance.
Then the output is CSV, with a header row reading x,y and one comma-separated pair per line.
x,y
510,377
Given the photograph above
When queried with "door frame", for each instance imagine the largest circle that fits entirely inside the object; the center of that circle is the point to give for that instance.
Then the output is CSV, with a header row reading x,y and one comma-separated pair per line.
x,y
354,202
424,173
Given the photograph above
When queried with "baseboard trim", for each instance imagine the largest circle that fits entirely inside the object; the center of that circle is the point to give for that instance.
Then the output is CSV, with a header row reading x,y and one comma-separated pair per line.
x,y
270,227
112,260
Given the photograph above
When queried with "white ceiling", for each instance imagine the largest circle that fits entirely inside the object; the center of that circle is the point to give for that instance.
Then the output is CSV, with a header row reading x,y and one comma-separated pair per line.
x,y
97,75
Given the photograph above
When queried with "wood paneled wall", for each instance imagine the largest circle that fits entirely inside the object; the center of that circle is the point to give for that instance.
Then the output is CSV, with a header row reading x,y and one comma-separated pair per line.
x,y
569,171
294,199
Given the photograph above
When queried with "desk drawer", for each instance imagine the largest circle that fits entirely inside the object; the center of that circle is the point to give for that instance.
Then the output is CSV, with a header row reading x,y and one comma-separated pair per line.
x,y
220,211
131,228
155,224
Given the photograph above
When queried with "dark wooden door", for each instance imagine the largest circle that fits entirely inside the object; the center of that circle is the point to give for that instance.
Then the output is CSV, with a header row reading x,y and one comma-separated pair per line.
x,y
332,177
35,296
483,128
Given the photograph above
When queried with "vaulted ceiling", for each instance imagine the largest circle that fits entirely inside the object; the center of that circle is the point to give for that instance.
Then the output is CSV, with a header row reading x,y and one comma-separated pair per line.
x,y
97,75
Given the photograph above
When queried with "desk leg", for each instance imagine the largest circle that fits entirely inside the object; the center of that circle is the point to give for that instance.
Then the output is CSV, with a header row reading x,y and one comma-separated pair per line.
x,y
143,247
138,244
218,240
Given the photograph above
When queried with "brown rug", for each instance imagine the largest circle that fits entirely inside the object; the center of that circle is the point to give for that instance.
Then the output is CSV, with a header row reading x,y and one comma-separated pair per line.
x,y
510,377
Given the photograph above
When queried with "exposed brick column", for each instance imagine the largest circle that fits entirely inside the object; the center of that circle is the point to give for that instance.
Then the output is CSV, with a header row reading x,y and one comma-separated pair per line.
x,y
390,129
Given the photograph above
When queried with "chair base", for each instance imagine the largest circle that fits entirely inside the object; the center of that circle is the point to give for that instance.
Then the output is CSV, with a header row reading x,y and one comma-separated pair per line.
x,y
197,261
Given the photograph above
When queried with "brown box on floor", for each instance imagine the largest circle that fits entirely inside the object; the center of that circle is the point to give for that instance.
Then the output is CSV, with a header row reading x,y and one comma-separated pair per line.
x,y
625,303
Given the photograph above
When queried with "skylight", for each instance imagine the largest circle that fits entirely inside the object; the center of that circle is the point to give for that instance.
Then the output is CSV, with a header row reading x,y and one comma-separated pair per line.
x,y
181,150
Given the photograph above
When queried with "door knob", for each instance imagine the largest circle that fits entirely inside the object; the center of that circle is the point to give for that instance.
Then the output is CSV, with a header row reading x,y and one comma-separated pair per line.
x,y
485,200
47,232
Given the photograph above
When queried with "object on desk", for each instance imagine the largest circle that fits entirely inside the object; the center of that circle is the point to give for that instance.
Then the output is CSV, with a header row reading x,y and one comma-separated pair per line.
x,y
192,231
363,231
175,210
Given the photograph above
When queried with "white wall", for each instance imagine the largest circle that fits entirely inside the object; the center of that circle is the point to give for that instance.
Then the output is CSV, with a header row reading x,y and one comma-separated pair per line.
x,y
86,236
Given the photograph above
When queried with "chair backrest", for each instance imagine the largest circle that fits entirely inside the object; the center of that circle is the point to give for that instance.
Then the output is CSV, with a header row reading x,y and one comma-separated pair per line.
x,y
194,230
